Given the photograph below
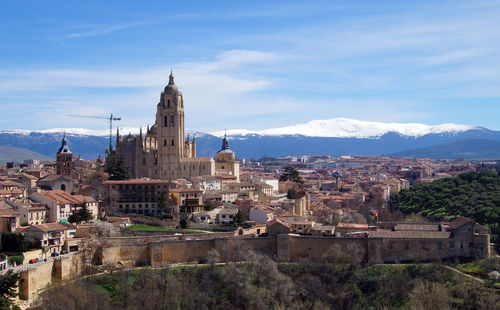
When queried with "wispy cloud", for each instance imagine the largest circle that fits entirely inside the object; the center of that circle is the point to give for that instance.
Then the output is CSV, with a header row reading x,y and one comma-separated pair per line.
x,y
105,29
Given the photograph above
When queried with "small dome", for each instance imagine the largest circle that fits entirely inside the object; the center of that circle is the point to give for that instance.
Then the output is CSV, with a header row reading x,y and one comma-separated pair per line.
x,y
171,88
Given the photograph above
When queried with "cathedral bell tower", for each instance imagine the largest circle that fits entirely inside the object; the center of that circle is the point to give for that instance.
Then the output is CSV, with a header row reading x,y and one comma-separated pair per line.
x,y
64,159
170,126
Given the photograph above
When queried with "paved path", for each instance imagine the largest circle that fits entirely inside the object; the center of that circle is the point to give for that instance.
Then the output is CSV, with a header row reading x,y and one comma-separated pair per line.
x,y
464,274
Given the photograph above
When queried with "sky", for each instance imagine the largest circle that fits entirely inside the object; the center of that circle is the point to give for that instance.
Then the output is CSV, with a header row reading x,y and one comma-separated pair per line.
x,y
249,64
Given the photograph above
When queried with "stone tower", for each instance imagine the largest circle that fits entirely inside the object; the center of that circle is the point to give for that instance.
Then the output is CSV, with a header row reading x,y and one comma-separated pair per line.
x,y
64,159
170,126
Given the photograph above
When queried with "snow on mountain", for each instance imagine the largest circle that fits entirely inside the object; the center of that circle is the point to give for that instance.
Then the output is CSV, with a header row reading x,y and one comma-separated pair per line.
x,y
74,131
331,128
349,128
91,132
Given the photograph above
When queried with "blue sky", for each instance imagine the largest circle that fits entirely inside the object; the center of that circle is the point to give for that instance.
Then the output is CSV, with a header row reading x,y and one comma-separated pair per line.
x,y
250,64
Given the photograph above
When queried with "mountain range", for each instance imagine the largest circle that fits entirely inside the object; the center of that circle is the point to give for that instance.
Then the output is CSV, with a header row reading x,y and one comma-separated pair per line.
x,y
333,136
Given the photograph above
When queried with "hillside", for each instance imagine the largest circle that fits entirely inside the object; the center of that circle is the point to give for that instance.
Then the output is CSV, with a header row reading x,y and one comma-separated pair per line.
x,y
261,283
462,149
473,195
10,153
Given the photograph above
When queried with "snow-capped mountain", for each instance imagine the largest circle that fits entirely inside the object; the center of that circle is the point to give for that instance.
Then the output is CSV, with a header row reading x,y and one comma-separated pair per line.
x,y
333,136
349,128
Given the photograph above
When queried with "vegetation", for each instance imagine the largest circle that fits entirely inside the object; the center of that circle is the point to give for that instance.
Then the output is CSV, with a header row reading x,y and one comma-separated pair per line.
x,y
291,174
239,218
261,283
292,193
17,259
83,215
475,195
8,289
115,167
13,242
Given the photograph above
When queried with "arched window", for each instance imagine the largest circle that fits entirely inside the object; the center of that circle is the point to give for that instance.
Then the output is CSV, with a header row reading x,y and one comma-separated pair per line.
x,y
63,187
166,121
171,121
168,103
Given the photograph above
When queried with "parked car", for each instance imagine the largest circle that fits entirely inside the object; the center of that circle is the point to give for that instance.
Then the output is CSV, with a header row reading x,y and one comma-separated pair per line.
x,y
54,254
64,252
33,260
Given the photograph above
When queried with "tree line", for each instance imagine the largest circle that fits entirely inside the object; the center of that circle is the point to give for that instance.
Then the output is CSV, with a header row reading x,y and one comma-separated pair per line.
x,y
475,195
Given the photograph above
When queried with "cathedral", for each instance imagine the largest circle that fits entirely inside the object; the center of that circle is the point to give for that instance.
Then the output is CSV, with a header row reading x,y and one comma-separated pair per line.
x,y
164,153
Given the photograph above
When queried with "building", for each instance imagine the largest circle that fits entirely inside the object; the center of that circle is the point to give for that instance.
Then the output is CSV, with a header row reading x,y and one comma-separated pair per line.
x,y
62,205
140,196
64,159
187,200
225,161
164,153
52,235
56,182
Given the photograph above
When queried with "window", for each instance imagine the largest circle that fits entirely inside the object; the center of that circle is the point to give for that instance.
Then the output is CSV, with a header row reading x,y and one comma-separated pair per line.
x,y
168,103
440,245
165,124
171,121
461,244
165,142
172,142
407,245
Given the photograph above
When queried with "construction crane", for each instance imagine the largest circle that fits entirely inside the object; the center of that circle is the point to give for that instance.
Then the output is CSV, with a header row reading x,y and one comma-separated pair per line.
x,y
111,118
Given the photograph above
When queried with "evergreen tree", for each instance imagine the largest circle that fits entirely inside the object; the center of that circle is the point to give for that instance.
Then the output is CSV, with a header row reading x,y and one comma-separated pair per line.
x,y
291,174
8,289
239,218
13,242
115,167
292,193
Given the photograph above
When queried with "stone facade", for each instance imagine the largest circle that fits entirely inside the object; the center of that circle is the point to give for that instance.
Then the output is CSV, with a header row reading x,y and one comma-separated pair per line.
x,y
163,152
290,247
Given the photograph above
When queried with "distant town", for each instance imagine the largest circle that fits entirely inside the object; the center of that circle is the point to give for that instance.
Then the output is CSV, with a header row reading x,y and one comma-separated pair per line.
x,y
152,201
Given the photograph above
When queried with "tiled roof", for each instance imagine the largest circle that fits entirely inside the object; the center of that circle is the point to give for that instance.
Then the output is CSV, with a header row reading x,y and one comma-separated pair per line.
x,y
196,159
421,227
135,181
459,222
49,226
410,234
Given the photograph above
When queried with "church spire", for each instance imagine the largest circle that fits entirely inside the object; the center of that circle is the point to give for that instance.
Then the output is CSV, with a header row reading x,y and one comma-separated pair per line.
x,y
225,143
171,78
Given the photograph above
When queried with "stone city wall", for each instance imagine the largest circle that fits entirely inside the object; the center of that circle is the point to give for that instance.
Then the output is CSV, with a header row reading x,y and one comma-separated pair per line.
x,y
38,276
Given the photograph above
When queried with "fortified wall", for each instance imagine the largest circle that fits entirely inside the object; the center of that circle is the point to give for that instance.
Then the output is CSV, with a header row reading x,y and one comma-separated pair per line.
x,y
290,247
37,277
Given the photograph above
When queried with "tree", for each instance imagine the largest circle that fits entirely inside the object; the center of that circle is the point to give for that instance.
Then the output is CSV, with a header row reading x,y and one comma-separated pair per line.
x,y
291,174
13,242
115,167
183,223
292,193
239,218
82,215
104,229
45,249
8,289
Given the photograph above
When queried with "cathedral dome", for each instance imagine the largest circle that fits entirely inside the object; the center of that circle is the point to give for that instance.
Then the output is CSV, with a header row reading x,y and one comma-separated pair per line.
x,y
171,88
